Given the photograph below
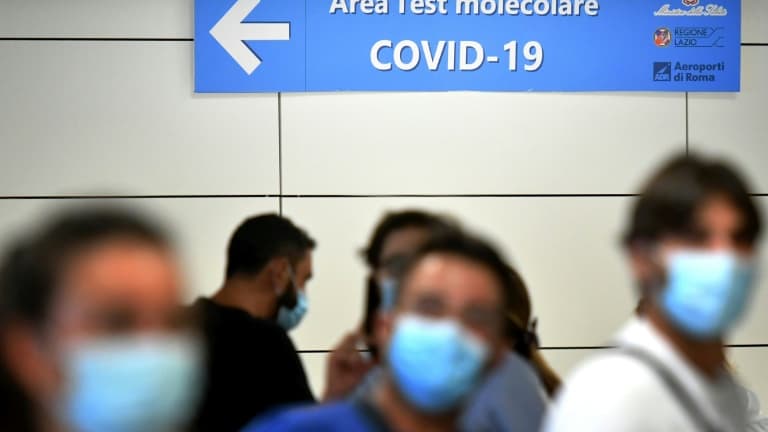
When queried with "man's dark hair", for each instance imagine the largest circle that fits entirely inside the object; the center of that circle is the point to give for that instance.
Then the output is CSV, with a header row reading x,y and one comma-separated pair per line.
x,y
395,221
260,239
30,274
669,202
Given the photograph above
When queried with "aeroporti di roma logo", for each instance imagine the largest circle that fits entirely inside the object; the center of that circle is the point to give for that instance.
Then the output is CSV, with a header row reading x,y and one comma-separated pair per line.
x,y
662,71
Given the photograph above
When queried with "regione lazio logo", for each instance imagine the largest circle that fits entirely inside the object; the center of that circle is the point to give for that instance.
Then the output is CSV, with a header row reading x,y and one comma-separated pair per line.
x,y
690,2
662,37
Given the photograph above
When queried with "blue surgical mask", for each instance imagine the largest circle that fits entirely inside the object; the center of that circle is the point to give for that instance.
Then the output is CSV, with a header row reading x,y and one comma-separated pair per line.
x,y
137,384
388,293
435,363
289,318
707,293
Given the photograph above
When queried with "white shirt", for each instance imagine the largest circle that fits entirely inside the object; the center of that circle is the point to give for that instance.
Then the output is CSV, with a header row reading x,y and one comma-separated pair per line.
x,y
757,421
614,392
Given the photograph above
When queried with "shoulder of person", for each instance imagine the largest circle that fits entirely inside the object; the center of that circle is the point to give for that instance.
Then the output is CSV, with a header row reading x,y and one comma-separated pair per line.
x,y
613,369
514,372
265,326
516,367
263,334
611,391
237,318
494,407
229,325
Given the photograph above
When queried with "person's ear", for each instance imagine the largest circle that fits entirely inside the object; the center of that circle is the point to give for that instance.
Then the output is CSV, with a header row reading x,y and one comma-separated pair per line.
x,y
30,366
646,270
644,267
279,273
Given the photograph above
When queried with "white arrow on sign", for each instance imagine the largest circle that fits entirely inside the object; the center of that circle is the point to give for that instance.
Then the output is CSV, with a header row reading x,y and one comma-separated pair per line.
x,y
231,33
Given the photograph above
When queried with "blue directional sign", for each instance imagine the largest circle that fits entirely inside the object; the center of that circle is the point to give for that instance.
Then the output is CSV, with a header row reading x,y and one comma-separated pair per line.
x,y
488,45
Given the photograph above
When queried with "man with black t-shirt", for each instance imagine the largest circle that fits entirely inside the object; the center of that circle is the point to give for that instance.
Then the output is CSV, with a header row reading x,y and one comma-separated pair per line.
x,y
253,366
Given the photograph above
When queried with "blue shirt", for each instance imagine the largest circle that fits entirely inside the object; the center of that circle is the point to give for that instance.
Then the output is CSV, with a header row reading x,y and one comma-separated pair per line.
x,y
345,416
511,399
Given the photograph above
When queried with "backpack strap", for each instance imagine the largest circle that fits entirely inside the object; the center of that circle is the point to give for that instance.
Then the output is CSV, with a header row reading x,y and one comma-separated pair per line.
x,y
673,385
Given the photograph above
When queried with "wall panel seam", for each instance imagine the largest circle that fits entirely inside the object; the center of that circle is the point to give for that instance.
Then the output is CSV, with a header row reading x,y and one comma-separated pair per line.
x,y
94,39
280,150
687,126
317,196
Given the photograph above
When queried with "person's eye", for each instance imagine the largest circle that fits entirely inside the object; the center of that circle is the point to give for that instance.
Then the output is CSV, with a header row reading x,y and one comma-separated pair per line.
x,y
697,237
117,321
429,307
482,319
742,240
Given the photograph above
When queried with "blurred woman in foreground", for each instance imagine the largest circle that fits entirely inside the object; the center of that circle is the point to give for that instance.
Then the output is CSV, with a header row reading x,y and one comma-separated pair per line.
x,y
90,337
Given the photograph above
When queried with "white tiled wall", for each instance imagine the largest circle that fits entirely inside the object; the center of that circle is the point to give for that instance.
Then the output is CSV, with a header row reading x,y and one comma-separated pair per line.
x,y
120,118
754,19
735,125
314,365
475,143
97,18
107,117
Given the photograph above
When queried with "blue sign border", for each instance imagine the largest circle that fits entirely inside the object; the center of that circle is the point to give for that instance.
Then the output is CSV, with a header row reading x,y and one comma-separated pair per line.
x,y
624,47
